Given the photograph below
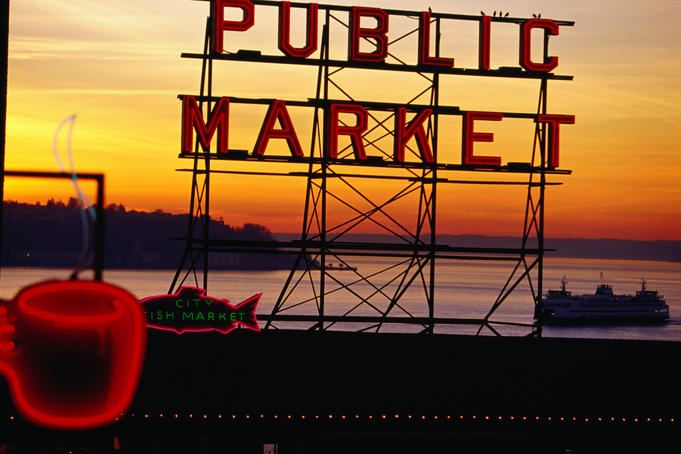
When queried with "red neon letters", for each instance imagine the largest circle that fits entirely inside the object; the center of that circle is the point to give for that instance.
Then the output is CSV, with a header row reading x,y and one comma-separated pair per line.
x,y
485,43
355,128
278,111
424,45
378,34
470,137
554,122
552,29
285,31
404,133
220,25
367,25
192,119
75,352
334,129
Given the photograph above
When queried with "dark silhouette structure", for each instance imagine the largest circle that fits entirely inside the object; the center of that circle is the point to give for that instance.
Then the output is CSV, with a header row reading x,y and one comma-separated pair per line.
x,y
50,235
329,218
4,68
352,392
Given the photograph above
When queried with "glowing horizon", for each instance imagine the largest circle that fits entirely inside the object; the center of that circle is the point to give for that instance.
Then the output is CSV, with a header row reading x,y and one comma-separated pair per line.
x,y
118,66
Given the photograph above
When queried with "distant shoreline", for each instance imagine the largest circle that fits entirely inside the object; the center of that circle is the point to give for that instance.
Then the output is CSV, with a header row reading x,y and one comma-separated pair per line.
x,y
106,269
578,248
49,235
262,270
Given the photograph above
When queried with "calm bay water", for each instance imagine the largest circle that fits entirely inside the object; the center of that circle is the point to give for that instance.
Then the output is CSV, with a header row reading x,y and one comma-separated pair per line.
x,y
464,290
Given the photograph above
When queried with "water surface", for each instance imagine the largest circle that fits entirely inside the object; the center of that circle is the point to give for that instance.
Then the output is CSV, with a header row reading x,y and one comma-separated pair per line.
x,y
464,290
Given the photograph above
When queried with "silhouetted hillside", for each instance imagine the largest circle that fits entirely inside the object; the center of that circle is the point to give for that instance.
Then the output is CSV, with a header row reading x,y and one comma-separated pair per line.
x,y
49,235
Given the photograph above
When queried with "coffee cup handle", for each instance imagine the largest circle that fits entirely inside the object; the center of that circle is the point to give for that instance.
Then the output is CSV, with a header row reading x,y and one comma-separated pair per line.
x,y
6,330
7,347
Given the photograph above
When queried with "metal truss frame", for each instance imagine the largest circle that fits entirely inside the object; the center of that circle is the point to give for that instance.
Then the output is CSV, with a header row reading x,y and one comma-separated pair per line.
x,y
413,250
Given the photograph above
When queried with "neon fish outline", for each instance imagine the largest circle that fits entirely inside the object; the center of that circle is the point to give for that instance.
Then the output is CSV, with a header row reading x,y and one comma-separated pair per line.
x,y
168,303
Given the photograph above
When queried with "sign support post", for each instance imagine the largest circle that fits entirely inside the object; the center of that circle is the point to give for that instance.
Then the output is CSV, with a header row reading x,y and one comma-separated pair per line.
x,y
317,295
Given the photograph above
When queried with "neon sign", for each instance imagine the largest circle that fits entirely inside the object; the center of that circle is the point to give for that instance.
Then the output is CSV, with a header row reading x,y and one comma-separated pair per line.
x,y
190,310
404,132
379,34
72,352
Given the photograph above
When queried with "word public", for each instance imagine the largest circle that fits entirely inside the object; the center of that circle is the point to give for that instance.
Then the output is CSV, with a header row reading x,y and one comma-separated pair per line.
x,y
279,125
378,34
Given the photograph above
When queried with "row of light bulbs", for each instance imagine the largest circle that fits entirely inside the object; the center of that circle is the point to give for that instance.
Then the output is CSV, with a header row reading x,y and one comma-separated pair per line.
x,y
397,416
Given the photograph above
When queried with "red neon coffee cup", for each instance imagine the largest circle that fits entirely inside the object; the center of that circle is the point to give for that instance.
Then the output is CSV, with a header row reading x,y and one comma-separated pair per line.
x,y
72,352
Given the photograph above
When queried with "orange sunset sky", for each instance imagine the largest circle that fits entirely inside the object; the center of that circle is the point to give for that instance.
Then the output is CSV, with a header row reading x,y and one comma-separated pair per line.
x,y
117,65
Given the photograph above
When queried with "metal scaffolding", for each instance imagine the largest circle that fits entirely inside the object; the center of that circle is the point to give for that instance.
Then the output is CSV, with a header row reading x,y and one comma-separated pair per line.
x,y
317,295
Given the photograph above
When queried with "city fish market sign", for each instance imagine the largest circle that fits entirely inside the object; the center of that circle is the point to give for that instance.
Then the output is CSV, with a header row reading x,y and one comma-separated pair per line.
x,y
349,119
190,310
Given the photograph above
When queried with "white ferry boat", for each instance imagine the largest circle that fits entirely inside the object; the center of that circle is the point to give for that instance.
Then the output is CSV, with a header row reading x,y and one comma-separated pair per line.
x,y
604,307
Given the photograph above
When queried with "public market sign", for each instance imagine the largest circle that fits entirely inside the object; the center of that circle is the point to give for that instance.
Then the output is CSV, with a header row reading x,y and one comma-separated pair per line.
x,y
369,24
